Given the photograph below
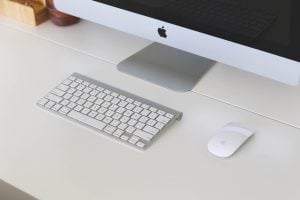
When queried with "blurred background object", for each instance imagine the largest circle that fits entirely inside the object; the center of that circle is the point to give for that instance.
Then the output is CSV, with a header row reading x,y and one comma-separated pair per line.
x,y
32,12
59,18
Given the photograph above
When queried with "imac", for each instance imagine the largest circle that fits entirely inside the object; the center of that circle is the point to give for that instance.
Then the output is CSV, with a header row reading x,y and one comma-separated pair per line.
x,y
258,36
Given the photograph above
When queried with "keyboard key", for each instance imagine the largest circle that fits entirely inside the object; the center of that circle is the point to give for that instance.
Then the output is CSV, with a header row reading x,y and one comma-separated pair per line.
x,y
71,90
151,130
109,113
124,137
140,144
169,115
109,129
74,84
151,122
163,119
43,101
108,98
143,135
80,87
124,119
115,101
122,97
130,129
93,114
106,104
145,112
65,102
123,103
67,96
101,95
72,78
94,92
85,83
140,125
114,94
107,120
102,110
67,82
159,125
137,109
99,101
72,105
132,122
63,87
64,110
92,99
122,126
133,140
161,112
117,116
136,116
50,104
56,107
78,93
78,108
143,119
113,107
85,111
58,92
129,100
145,106
79,80
100,89
118,133
93,86
85,96
153,115
74,99
128,113
137,103
87,90
130,106
53,97
88,104
152,109
100,117
115,123
87,120
121,110
81,101
95,107
107,91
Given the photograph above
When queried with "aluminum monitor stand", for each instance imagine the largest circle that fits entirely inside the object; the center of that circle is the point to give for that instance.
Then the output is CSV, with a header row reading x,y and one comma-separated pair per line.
x,y
166,66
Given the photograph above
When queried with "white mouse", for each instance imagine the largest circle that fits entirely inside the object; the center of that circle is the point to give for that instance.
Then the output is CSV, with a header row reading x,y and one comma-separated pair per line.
x,y
230,138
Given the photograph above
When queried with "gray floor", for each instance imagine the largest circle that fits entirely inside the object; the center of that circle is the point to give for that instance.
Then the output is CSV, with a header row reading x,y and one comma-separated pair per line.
x,y
8,192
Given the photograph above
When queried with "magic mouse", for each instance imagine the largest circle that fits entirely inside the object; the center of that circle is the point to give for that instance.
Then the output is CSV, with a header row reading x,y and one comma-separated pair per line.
x,y
229,139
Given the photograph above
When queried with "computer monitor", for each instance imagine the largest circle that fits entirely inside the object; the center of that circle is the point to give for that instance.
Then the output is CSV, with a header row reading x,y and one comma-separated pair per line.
x,y
258,36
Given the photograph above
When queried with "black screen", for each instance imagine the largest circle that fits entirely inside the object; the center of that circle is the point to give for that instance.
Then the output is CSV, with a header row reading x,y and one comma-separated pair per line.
x,y
269,25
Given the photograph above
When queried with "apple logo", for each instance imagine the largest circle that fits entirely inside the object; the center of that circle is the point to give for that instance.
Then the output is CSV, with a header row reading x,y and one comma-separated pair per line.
x,y
162,32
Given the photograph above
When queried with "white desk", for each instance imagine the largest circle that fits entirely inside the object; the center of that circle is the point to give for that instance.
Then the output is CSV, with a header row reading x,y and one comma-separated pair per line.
x,y
51,158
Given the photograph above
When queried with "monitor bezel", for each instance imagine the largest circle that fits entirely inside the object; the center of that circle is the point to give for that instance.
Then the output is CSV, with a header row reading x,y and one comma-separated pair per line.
x,y
237,55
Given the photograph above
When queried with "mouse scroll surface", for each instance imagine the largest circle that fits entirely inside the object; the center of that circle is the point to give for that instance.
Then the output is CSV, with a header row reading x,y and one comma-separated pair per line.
x,y
230,138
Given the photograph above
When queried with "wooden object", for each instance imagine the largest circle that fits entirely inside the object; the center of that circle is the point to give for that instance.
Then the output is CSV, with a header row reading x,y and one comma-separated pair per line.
x,y
33,12
1,7
59,18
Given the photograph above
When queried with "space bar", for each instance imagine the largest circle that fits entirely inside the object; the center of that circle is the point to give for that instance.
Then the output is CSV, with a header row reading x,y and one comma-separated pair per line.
x,y
87,120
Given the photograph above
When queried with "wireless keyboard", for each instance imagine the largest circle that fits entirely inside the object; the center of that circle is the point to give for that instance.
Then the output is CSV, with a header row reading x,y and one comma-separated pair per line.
x,y
110,111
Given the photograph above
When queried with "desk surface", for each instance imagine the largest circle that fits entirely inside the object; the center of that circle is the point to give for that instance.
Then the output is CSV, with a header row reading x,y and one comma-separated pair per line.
x,y
51,158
